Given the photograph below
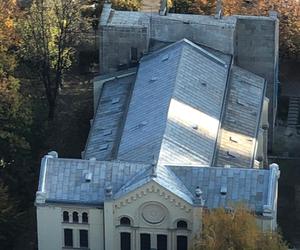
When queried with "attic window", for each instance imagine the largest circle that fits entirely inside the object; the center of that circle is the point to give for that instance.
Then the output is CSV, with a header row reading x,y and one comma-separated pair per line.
x,y
142,124
125,221
165,58
234,139
231,154
195,126
115,100
204,84
103,147
153,79
88,177
223,190
182,224
232,120
242,102
107,132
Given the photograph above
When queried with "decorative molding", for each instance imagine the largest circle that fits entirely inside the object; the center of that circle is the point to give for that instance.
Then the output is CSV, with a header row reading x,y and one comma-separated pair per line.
x,y
152,189
153,213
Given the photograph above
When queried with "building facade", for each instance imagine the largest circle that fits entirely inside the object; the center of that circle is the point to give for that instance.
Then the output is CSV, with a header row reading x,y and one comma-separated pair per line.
x,y
184,131
252,41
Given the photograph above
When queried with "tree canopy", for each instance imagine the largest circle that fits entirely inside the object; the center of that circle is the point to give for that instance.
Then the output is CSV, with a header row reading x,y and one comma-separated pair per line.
x,y
289,16
50,31
236,229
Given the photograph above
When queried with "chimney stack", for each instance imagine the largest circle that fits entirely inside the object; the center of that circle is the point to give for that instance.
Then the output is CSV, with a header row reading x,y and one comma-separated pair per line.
x,y
219,10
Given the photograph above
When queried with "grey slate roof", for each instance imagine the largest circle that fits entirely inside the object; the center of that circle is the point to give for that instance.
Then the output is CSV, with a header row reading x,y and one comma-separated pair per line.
x,y
63,180
111,17
178,79
106,127
162,176
240,123
249,186
188,107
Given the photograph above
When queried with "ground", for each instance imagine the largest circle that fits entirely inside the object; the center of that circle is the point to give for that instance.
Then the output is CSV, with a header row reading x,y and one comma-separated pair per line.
x,y
286,152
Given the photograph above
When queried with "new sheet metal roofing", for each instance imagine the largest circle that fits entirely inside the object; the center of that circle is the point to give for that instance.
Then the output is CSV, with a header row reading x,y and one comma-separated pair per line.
x,y
175,107
104,136
240,123
185,112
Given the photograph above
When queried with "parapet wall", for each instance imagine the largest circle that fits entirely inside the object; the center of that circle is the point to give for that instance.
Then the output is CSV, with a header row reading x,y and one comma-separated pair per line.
x,y
256,50
116,44
208,33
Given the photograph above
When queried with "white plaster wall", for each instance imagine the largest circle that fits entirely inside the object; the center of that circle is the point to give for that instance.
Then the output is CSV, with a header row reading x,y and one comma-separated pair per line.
x,y
130,206
50,227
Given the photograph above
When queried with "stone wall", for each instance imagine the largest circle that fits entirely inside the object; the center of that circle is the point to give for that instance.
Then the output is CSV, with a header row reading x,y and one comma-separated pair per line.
x,y
256,50
209,33
116,44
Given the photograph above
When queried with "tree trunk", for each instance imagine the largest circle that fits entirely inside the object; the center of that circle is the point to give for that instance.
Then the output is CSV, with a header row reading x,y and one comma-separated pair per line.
x,y
52,107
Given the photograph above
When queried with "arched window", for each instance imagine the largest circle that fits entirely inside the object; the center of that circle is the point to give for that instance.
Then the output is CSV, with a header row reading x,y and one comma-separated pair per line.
x,y
75,217
66,216
182,224
85,218
125,221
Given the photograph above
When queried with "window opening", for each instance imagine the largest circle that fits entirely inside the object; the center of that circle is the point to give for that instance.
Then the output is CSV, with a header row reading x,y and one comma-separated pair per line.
x,y
75,217
182,243
145,242
125,221
84,238
134,54
68,237
182,224
85,218
162,242
66,216
125,241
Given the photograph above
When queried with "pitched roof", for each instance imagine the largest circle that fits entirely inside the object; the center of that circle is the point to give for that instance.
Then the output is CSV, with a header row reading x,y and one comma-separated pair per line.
x,y
162,176
171,82
241,119
104,135
63,180
250,186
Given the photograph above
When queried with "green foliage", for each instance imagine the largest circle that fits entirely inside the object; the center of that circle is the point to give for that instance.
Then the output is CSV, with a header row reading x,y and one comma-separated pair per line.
x,y
51,30
236,230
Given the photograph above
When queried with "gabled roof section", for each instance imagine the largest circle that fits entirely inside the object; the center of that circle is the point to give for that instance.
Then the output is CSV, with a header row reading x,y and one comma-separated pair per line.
x,y
83,181
162,176
240,123
176,106
222,187
107,125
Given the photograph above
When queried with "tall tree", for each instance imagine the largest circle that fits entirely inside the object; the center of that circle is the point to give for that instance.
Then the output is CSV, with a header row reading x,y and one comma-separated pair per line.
x,y
15,121
51,30
15,115
236,230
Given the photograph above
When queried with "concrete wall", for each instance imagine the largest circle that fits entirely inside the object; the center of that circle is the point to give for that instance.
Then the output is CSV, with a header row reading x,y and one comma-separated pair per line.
x,y
51,227
116,44
132,206
217,36
256,50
